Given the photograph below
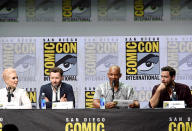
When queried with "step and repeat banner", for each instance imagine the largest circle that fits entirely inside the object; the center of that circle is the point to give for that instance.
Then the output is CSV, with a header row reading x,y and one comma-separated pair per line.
x,y
86,60
94,10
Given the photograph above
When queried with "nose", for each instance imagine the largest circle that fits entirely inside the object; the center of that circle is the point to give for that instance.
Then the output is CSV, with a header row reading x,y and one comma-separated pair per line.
x,y
162,79
113,76
16,79
54,80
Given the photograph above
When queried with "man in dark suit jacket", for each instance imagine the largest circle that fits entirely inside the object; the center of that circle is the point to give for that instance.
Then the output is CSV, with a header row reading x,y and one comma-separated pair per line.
x,y
56,91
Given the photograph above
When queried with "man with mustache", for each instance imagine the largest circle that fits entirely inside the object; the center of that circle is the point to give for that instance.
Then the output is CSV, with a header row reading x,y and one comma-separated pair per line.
x,y
168,90
114,90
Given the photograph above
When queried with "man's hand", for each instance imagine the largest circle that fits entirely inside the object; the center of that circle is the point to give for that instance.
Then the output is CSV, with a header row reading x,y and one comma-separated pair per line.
x,y
63,98
110,105
135,104
161,87
155,98
46,99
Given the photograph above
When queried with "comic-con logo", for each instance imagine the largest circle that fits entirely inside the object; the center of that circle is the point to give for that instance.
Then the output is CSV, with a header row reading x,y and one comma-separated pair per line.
x,y
22,57
148,10
99,56
9,10
39,10
180,58
142,60
109,10
85,124
89,94
63,55
1,124
32,94
180,124
76,10
180,9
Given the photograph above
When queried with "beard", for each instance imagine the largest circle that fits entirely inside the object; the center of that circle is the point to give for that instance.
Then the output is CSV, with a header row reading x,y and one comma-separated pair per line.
x,y
169,83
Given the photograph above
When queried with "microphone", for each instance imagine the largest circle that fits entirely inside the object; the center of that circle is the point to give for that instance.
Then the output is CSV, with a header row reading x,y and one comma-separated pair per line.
x,y
113,85
174,94
9,94
56,90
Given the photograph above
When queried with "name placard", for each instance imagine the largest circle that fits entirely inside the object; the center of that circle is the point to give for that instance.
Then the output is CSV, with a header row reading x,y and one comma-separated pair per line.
x,y
173,104
62,105
123,103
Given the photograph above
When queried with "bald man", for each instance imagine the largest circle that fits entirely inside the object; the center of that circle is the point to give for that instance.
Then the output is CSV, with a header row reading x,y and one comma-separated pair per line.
x,y
11,96
121,91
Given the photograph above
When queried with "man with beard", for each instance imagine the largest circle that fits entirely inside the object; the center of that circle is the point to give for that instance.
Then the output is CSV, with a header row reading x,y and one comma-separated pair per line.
x,y
56,91
165,90
114,90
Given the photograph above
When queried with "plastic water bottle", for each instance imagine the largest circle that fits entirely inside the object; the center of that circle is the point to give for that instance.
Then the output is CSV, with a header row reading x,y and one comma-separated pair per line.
x,y
43,102
174,96
102,102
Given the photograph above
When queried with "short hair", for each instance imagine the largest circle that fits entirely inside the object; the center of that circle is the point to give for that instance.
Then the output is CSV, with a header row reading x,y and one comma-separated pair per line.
x,y
116,67
170,69
7,71
56,69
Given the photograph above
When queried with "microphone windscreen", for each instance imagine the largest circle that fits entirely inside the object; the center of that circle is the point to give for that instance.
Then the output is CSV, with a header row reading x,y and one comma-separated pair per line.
x,y
113,83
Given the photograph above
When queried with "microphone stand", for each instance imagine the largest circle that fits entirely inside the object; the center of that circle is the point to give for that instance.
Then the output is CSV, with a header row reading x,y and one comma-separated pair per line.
x,y
9,94
113,85
56,91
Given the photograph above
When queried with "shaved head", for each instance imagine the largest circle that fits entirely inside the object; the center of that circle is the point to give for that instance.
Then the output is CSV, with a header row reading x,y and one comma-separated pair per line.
x,y
115,67
114,75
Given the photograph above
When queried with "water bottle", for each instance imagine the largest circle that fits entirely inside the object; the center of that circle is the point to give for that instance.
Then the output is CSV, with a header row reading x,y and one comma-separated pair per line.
x,y
43,102
174,96
102,102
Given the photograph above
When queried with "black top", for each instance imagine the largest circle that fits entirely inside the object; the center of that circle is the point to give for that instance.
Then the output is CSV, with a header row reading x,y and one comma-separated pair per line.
x,y
182,91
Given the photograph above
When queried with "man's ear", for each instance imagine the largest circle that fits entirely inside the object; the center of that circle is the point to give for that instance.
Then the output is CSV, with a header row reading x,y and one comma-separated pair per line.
x,y
173,78
120,75
108,74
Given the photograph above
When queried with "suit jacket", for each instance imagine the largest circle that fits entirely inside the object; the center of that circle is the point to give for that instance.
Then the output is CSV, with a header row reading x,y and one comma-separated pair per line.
x,y
65,89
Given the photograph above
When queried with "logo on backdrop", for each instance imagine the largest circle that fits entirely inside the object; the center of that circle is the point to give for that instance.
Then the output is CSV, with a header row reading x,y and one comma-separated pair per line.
x,y
32,94
179,123
39,10
142,59
89,94
180,57
63,54
109,10
21,55
85,124
1,123
9,10
76,10
148,10
99,56
181,9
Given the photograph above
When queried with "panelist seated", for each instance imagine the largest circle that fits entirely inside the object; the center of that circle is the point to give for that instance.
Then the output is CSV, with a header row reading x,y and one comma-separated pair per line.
x,y
56,91
169,90
114,90
12,97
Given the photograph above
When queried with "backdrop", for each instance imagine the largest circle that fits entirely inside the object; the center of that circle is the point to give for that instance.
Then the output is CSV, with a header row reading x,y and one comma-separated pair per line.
x,y
85,61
